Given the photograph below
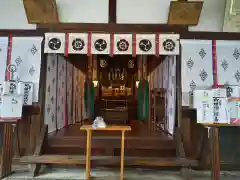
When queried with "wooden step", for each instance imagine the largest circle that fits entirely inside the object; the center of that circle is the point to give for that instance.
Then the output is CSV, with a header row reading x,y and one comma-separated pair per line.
x,y
110,145
109,160
112,152
113,142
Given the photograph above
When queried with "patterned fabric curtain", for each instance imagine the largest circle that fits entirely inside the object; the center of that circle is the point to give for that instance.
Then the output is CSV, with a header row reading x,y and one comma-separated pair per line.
x,y
227,62
58,98
164,76
197,67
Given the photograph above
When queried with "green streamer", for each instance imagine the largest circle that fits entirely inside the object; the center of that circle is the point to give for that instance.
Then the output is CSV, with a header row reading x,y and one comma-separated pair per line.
x,y
143,100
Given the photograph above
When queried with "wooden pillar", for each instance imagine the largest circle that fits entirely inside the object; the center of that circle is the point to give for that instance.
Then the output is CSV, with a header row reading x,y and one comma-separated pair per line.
x,y
215,152
90,76
7,147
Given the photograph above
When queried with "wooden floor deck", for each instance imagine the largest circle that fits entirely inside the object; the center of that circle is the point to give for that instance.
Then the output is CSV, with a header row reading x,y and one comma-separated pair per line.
x,y
141,141
143,148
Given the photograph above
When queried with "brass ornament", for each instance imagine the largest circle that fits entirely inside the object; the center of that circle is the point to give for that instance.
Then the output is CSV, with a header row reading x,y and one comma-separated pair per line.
x,y
103,63
117,73
130,64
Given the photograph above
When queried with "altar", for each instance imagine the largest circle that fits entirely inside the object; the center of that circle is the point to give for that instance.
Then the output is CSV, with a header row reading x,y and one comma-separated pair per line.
x,y
116,90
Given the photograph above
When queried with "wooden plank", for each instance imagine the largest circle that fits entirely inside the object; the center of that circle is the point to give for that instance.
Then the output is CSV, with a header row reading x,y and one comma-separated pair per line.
x,y
112,11
16,148
215,152
108,160
185,170
184,13
108,128
39,146
114,143
122,155
43,11
88,154
117,28
7,151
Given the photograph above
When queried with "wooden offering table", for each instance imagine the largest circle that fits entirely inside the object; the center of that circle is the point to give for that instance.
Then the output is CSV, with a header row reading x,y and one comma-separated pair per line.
x,y
89,130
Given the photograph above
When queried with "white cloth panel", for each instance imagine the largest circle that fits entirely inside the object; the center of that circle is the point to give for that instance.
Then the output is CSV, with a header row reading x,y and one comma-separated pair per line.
x,y
100,43
171,95
168,44
164,76
69,99
3,58
145,44
54,43
50,117
26,60
78,43
123,44
61,92
197,67
228,62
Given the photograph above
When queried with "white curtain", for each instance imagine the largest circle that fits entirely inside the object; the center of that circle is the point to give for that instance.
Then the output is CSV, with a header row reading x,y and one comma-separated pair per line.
x,y
50,117
228,62
61,92
197,67
171,94
164,76
26,57
3,58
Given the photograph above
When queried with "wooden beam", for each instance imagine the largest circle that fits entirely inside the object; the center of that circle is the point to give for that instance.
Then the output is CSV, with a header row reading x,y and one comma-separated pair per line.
x,y
185,169
182,30
210,35
112,11
35,168
28,33
117,28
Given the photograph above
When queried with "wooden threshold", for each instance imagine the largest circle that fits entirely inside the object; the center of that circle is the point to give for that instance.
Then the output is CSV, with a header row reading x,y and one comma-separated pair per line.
x,y
109,160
